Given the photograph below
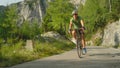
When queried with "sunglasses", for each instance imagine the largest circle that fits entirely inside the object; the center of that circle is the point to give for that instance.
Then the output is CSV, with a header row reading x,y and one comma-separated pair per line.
x,y
75,14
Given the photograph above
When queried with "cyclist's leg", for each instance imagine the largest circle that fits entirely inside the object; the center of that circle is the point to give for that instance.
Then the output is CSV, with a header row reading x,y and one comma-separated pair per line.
x,y
83,42
74,34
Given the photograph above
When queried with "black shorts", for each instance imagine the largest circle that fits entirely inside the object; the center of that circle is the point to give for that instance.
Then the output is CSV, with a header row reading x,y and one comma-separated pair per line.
x,y
80,31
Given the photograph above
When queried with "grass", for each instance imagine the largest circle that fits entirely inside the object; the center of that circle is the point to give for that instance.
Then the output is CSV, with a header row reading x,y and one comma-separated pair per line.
x,y
16,54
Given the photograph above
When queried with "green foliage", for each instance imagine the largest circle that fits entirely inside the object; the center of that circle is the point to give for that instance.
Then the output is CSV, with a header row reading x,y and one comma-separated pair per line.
x,y
58,15
29,30
9,53
96,14
90,12
15,54
8,28
47,26
103,20
116,7
54,47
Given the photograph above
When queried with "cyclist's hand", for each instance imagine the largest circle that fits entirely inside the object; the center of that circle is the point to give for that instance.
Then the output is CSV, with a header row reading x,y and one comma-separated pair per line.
x,y
83,28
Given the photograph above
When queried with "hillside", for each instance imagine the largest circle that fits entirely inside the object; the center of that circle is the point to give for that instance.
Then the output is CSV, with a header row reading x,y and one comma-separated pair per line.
x,y
53,15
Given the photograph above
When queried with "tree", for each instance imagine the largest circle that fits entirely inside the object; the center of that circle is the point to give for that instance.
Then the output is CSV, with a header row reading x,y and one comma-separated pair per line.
x,y
115,7
2,16
59,12
29,30
110,6
9,22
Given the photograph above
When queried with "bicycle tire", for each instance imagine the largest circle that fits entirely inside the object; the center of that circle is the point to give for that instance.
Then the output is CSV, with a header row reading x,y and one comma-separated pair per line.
x,y
79,49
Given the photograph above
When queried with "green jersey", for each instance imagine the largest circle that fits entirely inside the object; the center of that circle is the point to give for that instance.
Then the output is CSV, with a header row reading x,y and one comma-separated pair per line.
x,y
76,23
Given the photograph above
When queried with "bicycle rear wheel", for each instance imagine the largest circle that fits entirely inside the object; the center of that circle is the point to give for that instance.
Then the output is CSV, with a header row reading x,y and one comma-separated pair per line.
x,y
79,49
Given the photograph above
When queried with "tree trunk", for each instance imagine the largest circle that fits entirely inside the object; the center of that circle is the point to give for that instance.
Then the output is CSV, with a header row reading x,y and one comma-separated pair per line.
x,y
109,5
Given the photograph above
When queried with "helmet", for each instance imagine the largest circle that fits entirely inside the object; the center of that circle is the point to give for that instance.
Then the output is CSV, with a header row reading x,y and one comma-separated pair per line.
x,y
74,12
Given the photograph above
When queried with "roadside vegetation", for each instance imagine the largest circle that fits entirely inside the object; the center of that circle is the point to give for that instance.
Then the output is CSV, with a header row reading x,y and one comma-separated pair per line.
x,y
98,13
15,54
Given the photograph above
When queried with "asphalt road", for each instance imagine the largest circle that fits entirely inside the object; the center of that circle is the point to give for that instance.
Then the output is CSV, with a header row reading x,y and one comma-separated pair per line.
x,y
97,57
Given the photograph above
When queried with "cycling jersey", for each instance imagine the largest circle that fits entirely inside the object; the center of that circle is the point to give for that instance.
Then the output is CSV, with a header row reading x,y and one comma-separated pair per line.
x,y
76,23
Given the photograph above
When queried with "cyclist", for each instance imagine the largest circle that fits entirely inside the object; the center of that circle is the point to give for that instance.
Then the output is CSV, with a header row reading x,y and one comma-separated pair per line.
x,y
76,22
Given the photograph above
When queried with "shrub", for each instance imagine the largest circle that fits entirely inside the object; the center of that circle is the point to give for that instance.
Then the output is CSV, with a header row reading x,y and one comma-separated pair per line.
x,y
103,20
97,41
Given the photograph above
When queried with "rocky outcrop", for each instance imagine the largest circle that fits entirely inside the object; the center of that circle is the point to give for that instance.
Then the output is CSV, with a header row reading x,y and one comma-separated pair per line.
x,y
111,35
31,10
53,34
2,9
77,2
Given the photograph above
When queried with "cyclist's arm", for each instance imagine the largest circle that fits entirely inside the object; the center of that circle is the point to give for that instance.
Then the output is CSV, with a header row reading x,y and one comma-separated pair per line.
x,y
70,25
82,23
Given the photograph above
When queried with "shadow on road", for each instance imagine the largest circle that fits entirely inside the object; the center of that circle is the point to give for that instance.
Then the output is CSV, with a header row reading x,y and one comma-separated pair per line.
x,y
106,54
71,64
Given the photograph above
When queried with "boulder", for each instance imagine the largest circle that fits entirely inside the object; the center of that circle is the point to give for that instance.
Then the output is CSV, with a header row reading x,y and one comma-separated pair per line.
x,y
111,36
29,45
52,34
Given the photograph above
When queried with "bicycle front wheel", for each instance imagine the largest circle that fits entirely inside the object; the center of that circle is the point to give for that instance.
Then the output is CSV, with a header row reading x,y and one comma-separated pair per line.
x,y
79,50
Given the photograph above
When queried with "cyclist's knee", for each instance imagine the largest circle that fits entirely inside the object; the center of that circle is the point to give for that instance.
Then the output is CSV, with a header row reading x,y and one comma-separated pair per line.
x,y
73,32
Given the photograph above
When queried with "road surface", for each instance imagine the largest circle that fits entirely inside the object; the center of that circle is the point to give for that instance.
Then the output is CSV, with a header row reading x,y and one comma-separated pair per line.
x,y
97,57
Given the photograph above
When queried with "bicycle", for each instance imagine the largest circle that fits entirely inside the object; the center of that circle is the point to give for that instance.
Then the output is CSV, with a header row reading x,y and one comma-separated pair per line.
x,y
78,42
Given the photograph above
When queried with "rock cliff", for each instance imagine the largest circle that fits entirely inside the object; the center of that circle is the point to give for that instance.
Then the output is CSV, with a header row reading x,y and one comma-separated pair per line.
x,y
111,36
31,10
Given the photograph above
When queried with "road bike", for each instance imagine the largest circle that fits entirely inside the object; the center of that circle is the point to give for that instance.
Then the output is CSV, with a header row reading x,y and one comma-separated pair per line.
x,y
78,42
